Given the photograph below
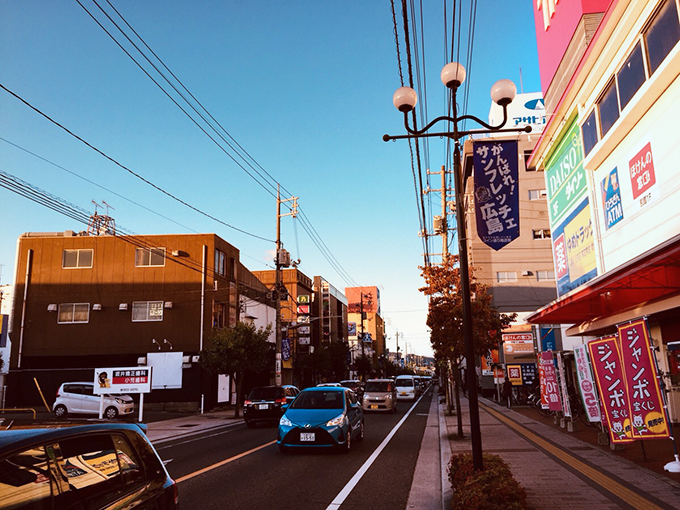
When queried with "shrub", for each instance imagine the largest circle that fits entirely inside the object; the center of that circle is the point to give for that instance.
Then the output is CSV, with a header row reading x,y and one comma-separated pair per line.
x,y
491,489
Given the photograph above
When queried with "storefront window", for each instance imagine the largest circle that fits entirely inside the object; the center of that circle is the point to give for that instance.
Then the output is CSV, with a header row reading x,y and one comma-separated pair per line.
x,y
663,34
631,76
608,108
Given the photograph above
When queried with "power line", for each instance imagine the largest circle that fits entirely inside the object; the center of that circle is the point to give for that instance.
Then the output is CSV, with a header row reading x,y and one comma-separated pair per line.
x,y
138,176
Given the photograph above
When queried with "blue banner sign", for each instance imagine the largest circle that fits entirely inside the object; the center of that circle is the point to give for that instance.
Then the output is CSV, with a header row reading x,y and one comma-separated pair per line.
x,y
496,191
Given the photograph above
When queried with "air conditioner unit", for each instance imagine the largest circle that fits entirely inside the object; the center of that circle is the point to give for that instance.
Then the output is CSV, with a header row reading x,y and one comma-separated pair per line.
x,y
186,359
141,361
167,304
52,307
175,253
527,273
97,306
194,359
123,306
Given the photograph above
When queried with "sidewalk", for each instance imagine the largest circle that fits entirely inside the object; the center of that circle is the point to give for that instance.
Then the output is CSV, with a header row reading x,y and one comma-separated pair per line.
x,y
162,430
556,469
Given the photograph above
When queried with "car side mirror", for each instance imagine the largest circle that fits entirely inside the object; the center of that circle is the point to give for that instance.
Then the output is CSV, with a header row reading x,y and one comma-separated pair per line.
x,y
285,406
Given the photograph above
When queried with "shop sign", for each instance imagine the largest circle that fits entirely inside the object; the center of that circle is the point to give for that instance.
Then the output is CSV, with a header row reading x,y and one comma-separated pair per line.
x,y
645,402
574,249
606,362
565,175
303,340
303,299
352,329
488,361
496,191
303,309
642,176
586,384
611,199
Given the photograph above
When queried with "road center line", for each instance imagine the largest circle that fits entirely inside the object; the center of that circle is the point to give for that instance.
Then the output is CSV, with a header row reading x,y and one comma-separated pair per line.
x,y
340,498
223,462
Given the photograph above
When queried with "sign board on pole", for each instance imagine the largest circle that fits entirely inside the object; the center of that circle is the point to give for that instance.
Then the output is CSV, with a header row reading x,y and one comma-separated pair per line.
x,y
549,390
586,384
606,360
122,380
645,402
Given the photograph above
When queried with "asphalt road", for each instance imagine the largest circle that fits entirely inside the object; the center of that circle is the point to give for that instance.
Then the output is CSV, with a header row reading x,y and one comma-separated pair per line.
x,y
240,468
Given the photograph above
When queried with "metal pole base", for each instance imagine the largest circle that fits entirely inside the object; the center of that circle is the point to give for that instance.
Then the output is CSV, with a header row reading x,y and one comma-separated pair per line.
x,y
674,466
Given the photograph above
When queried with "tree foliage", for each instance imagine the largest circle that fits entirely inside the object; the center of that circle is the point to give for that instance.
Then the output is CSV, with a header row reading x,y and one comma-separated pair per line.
x,y
445,315
236,350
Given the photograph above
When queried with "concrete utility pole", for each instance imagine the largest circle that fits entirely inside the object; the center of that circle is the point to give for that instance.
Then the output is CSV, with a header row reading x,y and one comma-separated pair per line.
x,y
282,259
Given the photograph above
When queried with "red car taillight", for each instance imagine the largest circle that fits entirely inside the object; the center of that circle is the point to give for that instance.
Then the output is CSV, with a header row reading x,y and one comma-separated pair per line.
x,y
280,401
247,403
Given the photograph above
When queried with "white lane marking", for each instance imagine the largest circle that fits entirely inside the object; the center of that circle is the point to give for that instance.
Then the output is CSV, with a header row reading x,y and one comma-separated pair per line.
x,y
342,495
190,440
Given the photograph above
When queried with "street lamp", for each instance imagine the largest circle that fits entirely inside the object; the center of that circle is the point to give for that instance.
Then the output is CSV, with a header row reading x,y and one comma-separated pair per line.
x,y
502,93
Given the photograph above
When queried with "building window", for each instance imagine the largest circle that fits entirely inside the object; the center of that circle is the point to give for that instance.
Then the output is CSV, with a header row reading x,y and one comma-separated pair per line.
x,y
76,258
537,194
220,263
149,257
589,133
219,315
631,76
608,108
662,35
506,276
527,157
541,233
144,311
71,313
545,275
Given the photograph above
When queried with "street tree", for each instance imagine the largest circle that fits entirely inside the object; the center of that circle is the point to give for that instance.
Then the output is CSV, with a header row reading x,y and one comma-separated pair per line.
x,y
363,365
445,316
236,350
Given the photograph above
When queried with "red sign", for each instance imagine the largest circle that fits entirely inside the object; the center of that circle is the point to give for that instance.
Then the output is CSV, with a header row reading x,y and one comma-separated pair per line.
x,y
644,394
550,396
303,309
560,254
641,167
606,362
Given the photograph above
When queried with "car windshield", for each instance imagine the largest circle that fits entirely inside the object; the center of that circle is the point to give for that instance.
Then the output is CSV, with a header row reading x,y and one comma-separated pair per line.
x,y
378,386
264,394
319,400
405,383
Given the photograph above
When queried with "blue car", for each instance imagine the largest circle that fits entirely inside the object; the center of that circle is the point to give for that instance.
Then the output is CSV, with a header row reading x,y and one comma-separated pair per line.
x,y
324,417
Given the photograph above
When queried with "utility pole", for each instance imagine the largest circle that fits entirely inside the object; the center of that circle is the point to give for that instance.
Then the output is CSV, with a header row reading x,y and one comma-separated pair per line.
x,y
282,259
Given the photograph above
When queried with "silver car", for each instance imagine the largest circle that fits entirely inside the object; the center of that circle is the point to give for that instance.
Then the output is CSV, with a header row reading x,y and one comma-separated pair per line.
x,y
79,398
380,395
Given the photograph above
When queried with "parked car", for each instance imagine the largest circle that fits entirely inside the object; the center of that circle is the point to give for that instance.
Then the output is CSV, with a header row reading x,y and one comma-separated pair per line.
x,y
329,384
356,386
322,417
97,466
380,395
79,398
406,387
265,403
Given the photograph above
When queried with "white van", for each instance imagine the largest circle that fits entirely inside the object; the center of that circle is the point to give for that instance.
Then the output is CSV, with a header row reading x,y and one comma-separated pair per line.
x,y
406,387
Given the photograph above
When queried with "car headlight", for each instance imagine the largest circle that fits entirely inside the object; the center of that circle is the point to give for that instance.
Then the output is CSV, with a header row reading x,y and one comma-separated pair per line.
x,y
120,401
337,421
285,421
388,397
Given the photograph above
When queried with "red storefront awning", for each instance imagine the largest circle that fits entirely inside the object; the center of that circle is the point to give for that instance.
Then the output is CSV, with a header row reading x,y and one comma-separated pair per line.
x,y
650,277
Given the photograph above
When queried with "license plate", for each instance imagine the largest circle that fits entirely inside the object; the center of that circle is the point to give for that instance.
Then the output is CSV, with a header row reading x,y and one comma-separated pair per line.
x,y
374,407
263,406
307,436
403,393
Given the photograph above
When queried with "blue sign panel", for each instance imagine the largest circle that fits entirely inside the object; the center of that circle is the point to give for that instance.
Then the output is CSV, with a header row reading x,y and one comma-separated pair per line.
x,y
285,348
611,199
496,191
548,341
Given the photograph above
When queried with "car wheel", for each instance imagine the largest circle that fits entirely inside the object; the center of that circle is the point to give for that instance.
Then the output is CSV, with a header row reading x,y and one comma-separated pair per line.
x,y
361,431
348,444
60,411
110,413
394,408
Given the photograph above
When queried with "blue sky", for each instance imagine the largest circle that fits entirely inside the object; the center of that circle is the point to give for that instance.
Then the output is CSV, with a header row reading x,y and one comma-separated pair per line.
x,y
305,87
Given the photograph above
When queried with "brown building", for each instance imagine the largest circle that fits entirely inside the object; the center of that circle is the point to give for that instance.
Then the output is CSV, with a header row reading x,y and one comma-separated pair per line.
x,y
84,301
364,311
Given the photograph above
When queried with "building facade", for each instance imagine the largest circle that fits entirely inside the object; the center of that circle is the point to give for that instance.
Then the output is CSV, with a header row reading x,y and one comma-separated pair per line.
x,y
369,326
609,153
87,301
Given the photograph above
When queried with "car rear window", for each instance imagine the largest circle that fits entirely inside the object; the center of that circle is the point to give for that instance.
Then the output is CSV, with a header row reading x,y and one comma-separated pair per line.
x,y
319,400
405,383
265,394
378,386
